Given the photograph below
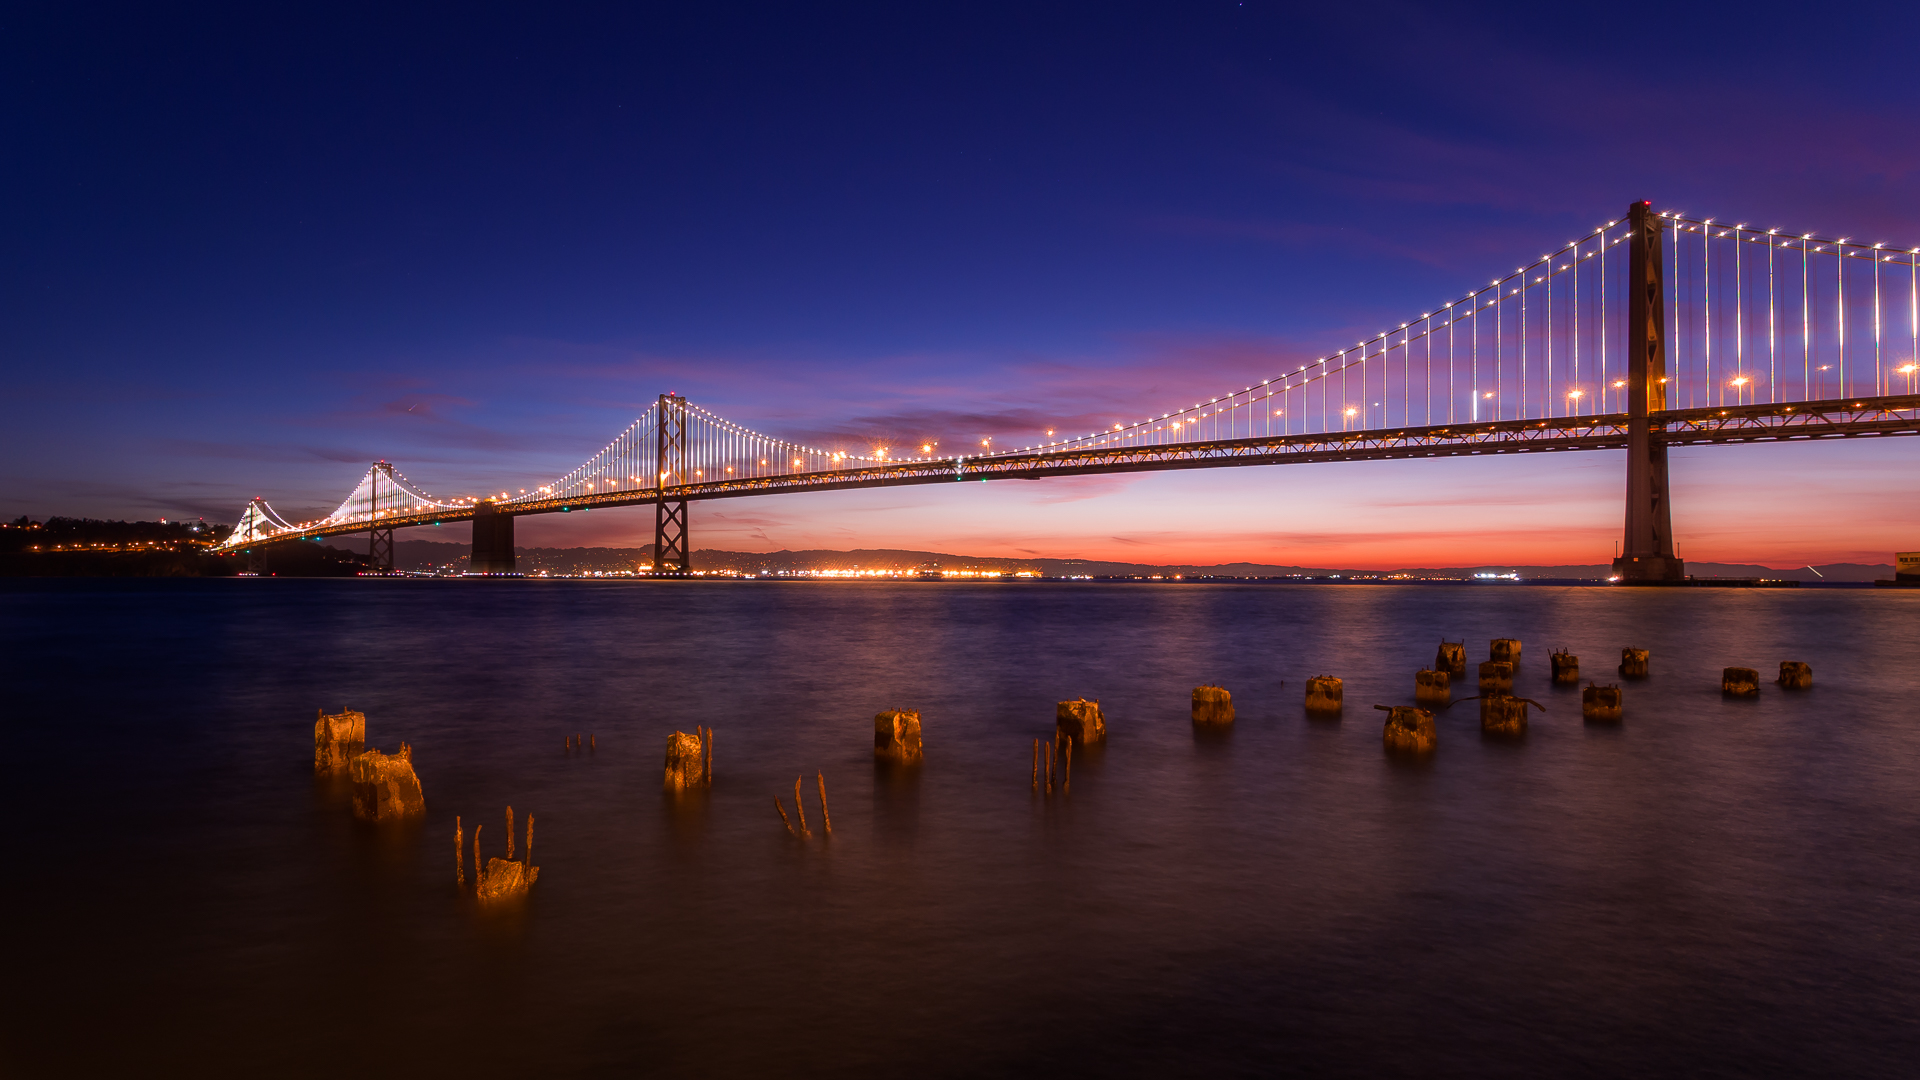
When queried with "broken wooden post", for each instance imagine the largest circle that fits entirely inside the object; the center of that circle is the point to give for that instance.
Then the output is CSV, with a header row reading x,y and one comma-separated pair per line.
x,y
1496,675
1633,663
1565,665
459,853
1408,730
896,736
1050,749
706,754
684,769
479,868
1066,784
826,821
1740,682
1432,687
529,839
783,817
1600,703
800,808
1036,764
385,787
1795,675
1504,648
1324,694
1452,658
1212,705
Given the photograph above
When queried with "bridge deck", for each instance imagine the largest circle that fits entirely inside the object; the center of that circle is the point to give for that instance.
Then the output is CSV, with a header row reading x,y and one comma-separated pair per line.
x,y
1812,420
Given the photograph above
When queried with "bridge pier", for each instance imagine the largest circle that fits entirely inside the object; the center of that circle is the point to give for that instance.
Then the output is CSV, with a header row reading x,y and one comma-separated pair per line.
x,y
492,541
1646,556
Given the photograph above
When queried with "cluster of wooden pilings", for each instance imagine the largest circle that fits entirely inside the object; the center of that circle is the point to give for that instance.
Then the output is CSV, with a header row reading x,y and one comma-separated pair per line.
x,y
800,810
495,879
385,787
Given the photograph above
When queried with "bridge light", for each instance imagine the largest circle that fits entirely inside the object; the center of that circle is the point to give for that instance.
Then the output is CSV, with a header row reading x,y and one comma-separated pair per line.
x,y
1618,383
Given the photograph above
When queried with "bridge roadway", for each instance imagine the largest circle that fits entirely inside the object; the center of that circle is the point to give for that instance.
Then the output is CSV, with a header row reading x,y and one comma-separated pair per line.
x,y
1798,421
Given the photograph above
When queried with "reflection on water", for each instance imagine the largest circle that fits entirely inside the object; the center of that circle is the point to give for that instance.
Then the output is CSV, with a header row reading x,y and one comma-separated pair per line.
x,y
1712,887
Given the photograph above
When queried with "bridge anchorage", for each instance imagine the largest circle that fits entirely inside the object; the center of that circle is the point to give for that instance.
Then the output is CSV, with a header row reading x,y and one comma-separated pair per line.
x,y
1654,331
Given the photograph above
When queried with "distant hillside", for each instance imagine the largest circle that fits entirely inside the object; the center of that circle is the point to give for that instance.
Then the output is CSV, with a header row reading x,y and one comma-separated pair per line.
x,y
426,554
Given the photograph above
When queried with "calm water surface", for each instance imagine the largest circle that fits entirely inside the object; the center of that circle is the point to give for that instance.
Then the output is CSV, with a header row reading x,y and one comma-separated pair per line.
x,y
1713,888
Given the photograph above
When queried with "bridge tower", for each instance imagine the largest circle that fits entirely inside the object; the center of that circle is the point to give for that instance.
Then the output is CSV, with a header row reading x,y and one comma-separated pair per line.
x,y
670,551
492,540
1646,556
379,541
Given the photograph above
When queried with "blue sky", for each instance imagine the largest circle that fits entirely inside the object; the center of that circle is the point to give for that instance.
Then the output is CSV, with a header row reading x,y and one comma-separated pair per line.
x,y
250,250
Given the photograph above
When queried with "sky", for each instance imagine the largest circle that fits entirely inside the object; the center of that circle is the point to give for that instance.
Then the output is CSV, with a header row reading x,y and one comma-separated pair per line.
x,y
249,249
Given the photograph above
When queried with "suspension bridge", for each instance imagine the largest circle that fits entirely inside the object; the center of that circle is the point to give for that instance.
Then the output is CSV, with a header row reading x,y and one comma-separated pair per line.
x,y
1652,331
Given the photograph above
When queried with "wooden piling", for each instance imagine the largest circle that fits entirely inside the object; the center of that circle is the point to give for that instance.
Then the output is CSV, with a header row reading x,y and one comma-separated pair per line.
x,y
1325,694
1795,675
1049,768
529,844
509,832
1633,663
1566,667
783,816
1600,703
459,852
1036,764
800,808
706,754
1067,784
592,745
479,868
1740,682
826,820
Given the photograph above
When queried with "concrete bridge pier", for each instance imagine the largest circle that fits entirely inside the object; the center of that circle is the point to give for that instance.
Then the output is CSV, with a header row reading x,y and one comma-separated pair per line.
x,y
492,541
1646,557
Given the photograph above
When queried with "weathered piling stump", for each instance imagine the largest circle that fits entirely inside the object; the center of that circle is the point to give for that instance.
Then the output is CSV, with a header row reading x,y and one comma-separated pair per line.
x,y
1795,675
1504,648
385,787
1408,730
1600,703
1212,705
1432,687
1324,693
686,762
1740,682
505,878
896,736
1080,720
1452,658
1503,714
1496,676
338,738
1633,663
1565,665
